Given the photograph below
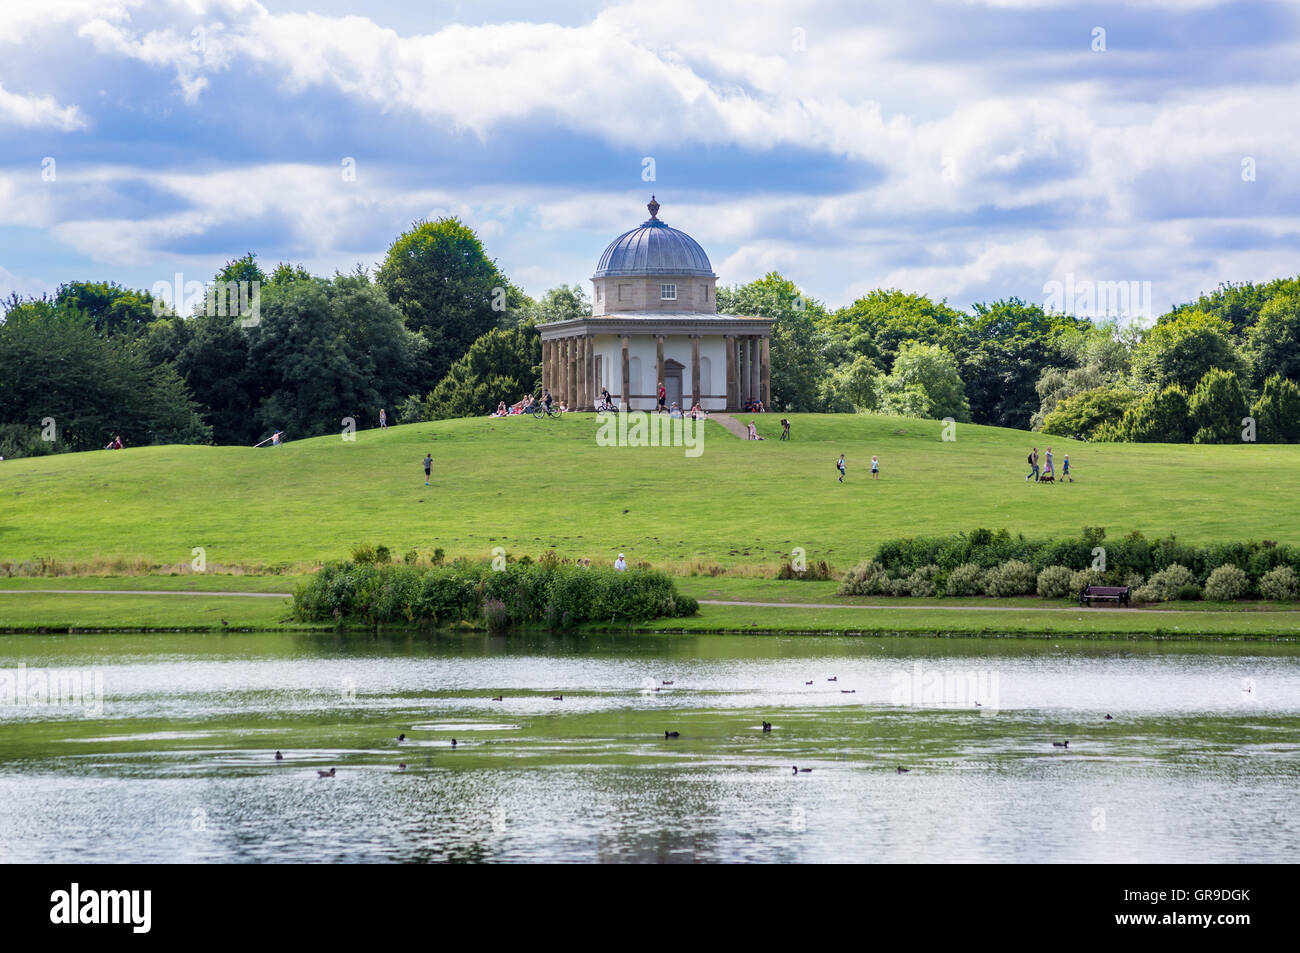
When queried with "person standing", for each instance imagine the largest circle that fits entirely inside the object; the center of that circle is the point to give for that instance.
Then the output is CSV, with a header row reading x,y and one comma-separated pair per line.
x,y
1049,470
1033,466
620,564
663,397
383,419
875,468
1065,469
839,465
428,467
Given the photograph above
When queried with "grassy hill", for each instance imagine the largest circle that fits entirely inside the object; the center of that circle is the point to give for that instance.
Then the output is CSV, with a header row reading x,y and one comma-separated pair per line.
x,y
531,485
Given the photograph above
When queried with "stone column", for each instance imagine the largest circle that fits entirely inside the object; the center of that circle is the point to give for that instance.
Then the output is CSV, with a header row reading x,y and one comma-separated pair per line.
x,y
625,393
766,359
571,393
593,385
546,364
659,363
582,402
695,370
732,376
742,370
755,386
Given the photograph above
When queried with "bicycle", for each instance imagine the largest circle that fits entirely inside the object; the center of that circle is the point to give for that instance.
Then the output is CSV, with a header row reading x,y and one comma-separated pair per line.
x,y
540,410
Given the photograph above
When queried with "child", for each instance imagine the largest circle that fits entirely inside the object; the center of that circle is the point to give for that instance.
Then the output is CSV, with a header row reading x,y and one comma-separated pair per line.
x,y
1065,469
875,468
785,429
428,467
383,419
839,465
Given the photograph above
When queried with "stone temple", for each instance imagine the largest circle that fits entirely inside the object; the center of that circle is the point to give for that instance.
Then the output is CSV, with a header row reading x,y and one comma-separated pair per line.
x,y
654,317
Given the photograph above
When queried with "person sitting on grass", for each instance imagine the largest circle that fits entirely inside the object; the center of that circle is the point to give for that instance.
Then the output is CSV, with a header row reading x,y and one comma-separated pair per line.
x,y
753,432
697,411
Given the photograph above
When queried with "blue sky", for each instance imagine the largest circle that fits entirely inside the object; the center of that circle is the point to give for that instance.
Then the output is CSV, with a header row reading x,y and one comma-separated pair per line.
x,y
966,149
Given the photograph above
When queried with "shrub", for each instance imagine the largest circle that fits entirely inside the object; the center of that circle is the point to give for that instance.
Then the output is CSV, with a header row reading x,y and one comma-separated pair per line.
x,y
363,554
1084,578
1134,580
1281,584
1227,583
1056,582
818,571
865,579
1012,578
383,555
495,614
1166,584
921,582
1189,593
966,580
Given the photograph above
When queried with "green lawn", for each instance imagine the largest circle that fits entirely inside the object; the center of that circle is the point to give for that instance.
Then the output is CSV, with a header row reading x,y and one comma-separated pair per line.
x,y
61,612
529,485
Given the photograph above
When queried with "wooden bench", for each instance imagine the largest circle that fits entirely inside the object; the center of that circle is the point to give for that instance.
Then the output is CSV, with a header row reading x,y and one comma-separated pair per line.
x,y
1118,594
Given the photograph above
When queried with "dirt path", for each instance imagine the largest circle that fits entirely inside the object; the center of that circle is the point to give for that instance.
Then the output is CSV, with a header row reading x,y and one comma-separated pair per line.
x,y
152,592
732,424
838,605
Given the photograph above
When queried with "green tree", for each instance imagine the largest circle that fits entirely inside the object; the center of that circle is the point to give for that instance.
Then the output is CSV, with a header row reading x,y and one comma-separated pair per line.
x,y
798,342
1274,342
925,382
111,308
880,322
1083,413
1277,412
1162,416
1180,350
502,365
446,287
1218,408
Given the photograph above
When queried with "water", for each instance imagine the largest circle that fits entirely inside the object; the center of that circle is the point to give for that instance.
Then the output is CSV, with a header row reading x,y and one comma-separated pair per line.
x,y
1200,762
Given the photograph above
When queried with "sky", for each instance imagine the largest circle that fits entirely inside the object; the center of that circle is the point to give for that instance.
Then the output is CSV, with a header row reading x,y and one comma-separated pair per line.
x,y
970,150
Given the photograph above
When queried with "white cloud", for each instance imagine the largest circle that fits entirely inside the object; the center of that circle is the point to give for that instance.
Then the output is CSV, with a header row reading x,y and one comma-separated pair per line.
x,y
34,111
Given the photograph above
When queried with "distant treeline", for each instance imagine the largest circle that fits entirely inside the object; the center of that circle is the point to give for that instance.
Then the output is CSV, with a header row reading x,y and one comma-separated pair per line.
x,y
438,331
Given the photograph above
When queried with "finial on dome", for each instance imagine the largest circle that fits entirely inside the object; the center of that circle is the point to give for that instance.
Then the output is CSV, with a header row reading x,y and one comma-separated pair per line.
x,y
653,207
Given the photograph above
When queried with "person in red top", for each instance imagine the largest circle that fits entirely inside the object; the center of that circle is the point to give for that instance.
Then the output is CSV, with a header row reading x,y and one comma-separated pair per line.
x,y
663,397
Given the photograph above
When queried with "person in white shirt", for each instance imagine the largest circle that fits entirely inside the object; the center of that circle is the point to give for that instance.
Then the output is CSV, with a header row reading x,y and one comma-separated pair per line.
x,y
620,564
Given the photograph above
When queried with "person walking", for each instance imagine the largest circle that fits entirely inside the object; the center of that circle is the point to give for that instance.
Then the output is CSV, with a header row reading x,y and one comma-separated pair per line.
x,y
1065,469
1033,466
663,397
875,468
383,419
1049,470
428,467
839,465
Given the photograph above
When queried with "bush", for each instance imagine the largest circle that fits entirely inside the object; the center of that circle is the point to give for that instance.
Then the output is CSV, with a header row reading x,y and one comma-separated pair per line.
x,y
1012,578
818,571
1056,582
363,554
865,579
1226,584
1166,584
1281,584
1084,578
966,580
922,582
495,614
1189,593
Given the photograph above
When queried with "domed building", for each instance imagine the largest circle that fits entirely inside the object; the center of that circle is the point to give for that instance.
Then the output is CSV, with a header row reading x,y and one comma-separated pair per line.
x,y
654,317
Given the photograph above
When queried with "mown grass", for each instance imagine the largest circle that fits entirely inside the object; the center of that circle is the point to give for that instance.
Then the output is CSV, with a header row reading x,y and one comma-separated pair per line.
x,y
529,486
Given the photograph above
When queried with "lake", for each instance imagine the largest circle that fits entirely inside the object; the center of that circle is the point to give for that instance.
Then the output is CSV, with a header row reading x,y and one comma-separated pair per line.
x,y
161,748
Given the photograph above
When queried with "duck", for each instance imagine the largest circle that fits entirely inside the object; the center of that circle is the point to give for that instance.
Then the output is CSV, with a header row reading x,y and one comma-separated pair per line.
x,y
903,770
325,774
978,705
767,726
402,766
558,698
498,698
278,756
453,742
672,734
1060,744
1108,718
224,624
667,683
807,683
848,691
401,737
799,770
833,678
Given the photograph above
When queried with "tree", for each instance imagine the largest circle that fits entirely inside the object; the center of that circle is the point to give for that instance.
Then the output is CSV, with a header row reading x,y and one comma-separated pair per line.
x,y
1004,348
1179,351
1083,413
1277,412
111,308
446,287
880,322
1162,416
798,344
561,303
502,365
326,349
1218,408
925,383
1274,342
